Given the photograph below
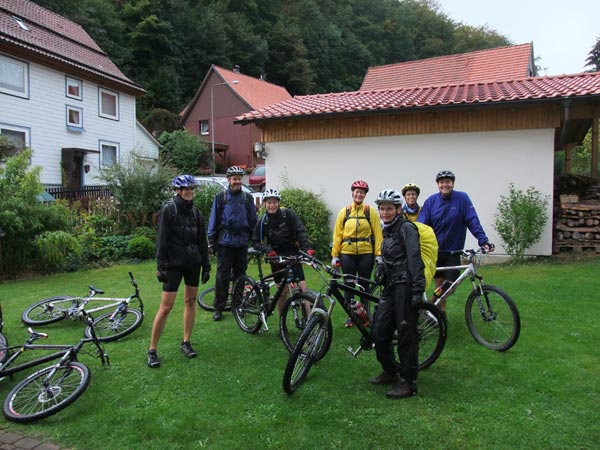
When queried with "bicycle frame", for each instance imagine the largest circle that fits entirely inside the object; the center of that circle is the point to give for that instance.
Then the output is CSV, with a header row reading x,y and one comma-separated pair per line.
x,y
469,270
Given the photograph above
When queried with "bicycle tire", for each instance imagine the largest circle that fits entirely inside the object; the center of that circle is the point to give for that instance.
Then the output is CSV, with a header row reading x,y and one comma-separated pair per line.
x,y
303,357
431,334
293,319
41,313
494,322
206,300
3,346
246,300
125,322
29,400
376,290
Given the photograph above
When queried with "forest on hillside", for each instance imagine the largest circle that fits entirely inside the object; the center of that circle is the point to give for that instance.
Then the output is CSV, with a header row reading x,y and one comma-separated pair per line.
x,y
307,46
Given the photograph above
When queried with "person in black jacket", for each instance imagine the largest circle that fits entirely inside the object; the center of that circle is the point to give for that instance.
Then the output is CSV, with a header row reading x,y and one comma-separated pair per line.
x,y
281,232
403,278
181,251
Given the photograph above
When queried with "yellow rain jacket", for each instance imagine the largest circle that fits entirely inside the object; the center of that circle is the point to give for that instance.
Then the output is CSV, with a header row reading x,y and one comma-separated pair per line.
x,y
355,235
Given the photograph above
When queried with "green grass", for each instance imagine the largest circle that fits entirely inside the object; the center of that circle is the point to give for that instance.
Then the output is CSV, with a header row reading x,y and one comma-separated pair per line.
x,y
542,393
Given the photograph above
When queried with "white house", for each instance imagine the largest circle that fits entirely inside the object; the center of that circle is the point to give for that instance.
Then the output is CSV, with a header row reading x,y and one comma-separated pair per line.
x,y
63,97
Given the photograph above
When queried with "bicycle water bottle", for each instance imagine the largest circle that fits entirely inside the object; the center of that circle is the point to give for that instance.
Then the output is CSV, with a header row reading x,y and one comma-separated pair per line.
x,y
442,288
361,313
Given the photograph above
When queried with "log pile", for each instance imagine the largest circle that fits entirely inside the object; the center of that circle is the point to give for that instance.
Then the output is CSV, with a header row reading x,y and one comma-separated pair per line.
x,y
576,225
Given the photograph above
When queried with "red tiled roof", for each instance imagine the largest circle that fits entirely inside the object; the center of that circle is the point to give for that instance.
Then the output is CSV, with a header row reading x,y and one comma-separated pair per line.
x,y
53,37
496,64
255,92
528,89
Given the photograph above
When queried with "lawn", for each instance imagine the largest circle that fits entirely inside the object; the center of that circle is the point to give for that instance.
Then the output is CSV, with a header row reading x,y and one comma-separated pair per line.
x,y
542,393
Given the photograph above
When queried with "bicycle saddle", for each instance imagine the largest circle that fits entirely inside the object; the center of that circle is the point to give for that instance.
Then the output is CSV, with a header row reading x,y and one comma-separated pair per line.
x,y
94,290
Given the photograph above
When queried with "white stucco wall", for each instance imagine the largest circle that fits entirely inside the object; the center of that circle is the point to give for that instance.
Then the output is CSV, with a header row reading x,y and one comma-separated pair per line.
x,y
484,163
44,115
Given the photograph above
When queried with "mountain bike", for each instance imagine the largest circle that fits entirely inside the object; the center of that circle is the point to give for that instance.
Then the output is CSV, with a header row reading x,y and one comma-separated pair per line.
x,y
252,302
491,314
112,325
53,388
315,340
3,340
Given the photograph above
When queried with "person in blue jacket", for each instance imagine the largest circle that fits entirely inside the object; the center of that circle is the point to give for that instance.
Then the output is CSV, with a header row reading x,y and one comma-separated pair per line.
x,y
450,213
230,227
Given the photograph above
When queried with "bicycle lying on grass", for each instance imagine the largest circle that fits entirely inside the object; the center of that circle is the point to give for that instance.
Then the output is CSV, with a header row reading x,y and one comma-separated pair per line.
x,y
52,388
315,340
252,302
3,341
119,322
491,314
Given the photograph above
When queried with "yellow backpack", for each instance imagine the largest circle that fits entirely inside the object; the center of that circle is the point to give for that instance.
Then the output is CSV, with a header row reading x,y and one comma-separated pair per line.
x,y
429,250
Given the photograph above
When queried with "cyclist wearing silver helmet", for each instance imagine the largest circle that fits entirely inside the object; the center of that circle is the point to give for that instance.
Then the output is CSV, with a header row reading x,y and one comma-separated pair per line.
x,y
181,250
281,232
402,274
450,213
232,220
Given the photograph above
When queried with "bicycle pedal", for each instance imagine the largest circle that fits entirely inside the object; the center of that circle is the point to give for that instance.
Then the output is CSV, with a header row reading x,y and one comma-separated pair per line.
x,y
354,352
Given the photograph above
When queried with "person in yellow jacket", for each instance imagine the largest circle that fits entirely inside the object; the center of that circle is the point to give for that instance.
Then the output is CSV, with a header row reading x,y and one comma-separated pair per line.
x,y
411,209
357,237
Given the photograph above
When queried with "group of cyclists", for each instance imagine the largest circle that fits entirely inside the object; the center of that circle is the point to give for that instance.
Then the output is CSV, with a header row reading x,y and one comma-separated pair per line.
x,y
364,238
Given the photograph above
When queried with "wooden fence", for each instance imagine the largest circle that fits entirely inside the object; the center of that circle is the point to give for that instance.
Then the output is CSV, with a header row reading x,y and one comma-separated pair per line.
x,y
60,192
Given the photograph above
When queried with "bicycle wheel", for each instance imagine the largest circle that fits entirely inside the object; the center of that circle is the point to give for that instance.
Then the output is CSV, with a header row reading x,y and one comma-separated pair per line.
x,y
123,323
49,310
313,340
206,300
293,318
3,351
246,304
370,306
36,397
431,334
493,318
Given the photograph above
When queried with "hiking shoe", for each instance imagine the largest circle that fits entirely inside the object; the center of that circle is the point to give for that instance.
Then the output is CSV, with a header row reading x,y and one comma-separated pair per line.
x,y
384,378
187,350
217,316
403,390
349,323
153,361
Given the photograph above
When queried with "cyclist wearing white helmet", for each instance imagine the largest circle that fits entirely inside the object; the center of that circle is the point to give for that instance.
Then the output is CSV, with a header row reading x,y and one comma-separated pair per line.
x,y
450,213
402,274
281,232
181,250
232,220
411,208
356,237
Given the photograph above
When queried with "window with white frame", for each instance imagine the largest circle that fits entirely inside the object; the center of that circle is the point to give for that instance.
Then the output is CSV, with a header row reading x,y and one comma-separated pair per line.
x,y
108,104
74,117
17,138
74,88
14,77
204,127
109,152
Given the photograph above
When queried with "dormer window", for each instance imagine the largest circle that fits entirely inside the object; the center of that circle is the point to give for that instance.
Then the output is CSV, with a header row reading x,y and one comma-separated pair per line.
x,y
21,23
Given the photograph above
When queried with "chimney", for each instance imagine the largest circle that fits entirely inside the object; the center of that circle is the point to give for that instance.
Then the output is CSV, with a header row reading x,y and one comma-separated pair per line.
x,y
236,69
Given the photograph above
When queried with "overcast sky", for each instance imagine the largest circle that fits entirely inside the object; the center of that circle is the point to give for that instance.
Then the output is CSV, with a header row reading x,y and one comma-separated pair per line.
x,y
563,33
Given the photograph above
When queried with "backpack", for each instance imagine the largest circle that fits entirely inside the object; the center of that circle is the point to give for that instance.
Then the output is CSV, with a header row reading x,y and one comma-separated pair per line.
x,y
367,212
429,250
170,203
221,200
264,220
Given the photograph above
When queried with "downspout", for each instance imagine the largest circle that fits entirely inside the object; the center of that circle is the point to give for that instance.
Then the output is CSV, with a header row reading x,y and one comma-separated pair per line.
x,y
566,118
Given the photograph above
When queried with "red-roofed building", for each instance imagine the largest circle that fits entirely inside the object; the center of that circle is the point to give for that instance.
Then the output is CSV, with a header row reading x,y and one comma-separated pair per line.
x,y
62,96
490,134
497,64
232,94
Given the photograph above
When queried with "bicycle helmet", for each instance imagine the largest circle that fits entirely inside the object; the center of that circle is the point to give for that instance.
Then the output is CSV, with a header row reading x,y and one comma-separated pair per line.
x,y
360,184
411,187
234,170
184,181
389,196
444,174
271,193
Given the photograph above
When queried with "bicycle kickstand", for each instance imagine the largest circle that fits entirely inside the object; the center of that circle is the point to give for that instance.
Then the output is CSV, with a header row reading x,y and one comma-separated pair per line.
x,y
354,352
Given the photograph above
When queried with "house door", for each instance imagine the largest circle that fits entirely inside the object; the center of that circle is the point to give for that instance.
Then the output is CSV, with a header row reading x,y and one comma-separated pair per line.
x,y
72,163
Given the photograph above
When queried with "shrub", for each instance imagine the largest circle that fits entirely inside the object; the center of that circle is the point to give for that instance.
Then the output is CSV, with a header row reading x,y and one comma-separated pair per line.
x,y
113,248
140,247
54,247
311,208
148,232
203,200
185,151
521,219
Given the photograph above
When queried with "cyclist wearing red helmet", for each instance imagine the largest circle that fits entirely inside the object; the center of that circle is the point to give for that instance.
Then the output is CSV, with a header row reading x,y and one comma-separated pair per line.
x,y
356,236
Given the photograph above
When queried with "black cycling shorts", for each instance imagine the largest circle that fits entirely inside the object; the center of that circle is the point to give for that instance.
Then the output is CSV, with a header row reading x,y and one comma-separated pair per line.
x,y
446,259
190,275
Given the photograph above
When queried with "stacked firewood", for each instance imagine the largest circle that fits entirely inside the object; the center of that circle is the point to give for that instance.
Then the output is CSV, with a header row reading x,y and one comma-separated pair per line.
x,y
576,224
